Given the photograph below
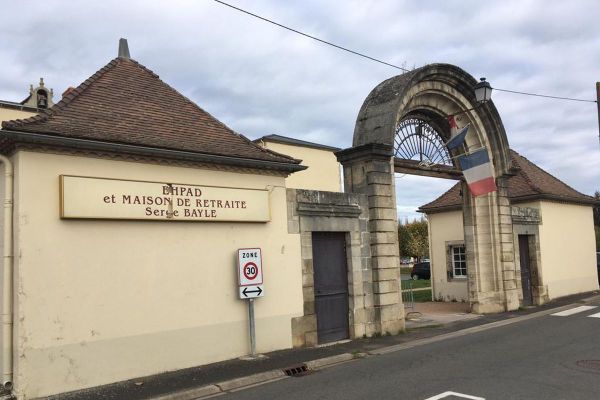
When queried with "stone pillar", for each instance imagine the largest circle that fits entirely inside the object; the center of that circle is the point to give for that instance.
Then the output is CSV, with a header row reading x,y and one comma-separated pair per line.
x,y
369,170
509,270
490,251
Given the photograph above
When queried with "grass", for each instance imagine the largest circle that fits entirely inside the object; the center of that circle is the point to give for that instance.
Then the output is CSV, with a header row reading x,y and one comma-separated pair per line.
x,y
422,296
421,283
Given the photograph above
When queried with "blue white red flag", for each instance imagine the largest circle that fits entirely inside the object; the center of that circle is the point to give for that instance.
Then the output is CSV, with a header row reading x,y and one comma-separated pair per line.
x,y
458,139
453,126
457,135
478,172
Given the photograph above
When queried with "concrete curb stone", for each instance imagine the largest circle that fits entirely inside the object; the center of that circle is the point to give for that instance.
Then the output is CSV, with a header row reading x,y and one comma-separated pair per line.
x,y
191,394
250,380
323,362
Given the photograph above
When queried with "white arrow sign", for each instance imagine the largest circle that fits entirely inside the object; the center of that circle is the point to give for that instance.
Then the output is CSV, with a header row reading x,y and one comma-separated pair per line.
x,y
251,292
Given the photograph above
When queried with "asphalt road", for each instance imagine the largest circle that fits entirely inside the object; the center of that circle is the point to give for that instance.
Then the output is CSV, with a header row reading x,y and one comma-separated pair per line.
x,y
549,357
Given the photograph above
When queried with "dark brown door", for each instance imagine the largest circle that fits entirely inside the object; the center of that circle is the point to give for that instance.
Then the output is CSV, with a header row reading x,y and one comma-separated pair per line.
x,y
525,261
331,285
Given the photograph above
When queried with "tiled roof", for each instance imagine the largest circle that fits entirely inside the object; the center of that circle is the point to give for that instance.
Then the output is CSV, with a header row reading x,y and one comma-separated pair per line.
x,y
126,103
295,142
450,200
529,183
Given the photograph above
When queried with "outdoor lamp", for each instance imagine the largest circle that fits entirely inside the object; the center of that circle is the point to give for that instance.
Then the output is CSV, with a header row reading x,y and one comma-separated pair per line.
x,y
483,91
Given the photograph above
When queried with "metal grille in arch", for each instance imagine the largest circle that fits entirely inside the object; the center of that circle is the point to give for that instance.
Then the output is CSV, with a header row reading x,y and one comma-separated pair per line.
x,y
416,140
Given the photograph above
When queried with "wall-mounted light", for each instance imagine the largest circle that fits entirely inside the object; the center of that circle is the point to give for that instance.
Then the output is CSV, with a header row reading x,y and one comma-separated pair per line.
x,y
483,94
483,91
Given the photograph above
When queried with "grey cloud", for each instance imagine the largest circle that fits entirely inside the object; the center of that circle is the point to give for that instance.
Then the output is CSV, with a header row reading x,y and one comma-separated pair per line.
x,y
260,79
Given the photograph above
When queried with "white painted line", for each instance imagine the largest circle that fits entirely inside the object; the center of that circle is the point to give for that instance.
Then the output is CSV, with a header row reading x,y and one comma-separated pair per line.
x,y
448,394
594,315
572,311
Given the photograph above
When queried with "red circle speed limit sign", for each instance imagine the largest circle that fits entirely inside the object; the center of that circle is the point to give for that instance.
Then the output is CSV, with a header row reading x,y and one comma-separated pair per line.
x,y
250,271
250,267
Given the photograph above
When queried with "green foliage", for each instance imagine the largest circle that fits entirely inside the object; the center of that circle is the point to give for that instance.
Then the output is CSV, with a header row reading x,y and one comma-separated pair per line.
x,y
597,221
403,240
421,283
422,296
413,239
597,210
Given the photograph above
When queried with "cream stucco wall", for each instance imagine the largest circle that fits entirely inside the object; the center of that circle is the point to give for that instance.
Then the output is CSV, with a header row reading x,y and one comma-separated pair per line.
x,y
323,172
567,262
567,246
7,114
443,228
99,301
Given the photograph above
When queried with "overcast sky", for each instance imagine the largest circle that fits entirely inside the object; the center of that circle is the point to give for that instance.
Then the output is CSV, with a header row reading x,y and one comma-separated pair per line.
x,y
260,79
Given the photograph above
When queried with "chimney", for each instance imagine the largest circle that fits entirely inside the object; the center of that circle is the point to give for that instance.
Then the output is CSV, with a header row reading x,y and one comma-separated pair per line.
x,y
123,49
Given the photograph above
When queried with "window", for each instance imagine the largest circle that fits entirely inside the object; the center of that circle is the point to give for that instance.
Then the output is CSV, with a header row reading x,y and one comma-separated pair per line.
x,y
459,262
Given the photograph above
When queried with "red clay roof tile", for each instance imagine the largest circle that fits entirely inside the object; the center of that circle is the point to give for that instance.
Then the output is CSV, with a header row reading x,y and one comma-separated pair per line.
x,y
125,102
530,182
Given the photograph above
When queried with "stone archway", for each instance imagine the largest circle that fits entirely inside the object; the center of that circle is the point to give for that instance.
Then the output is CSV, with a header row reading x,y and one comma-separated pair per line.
x,y
432,93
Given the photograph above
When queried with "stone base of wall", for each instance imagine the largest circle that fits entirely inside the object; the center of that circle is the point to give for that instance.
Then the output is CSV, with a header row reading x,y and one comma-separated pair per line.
x,y
316,211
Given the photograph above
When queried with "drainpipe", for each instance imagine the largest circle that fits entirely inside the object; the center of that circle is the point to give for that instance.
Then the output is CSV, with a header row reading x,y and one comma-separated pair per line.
x,y
7,277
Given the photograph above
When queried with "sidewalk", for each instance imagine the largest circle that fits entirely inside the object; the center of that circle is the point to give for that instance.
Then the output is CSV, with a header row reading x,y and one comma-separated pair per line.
x,y
435,319
433,314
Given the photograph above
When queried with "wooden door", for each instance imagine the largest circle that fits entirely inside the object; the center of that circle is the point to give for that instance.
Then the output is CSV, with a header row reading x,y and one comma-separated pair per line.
x,y
525,262
331,285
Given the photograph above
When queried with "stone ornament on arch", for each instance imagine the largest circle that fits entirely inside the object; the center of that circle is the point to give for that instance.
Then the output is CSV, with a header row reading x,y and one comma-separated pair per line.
x,y
432,93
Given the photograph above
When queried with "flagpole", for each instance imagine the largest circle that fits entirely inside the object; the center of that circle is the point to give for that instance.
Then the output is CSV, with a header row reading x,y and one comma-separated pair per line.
x,y
461,130
467,110
469,151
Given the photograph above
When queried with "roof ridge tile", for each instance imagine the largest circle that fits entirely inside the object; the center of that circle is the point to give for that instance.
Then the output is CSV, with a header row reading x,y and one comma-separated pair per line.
x,y
126,102
206,112
525,175
538,168
553,189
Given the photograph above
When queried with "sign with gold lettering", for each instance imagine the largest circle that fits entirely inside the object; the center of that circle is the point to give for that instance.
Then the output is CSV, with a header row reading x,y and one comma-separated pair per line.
x,y
101,198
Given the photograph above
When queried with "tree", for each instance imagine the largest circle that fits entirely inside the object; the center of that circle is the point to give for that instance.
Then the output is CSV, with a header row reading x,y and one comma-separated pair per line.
x,y
413,239
403,239
597,209
597,220
419,239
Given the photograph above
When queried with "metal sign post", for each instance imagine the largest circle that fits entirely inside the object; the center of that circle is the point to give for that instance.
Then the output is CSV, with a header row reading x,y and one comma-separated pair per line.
x,y
250,281
252,327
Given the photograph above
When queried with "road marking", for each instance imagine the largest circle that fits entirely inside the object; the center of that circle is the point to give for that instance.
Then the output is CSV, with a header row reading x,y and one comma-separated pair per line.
x,y
572,311
448,394
594,315
472,330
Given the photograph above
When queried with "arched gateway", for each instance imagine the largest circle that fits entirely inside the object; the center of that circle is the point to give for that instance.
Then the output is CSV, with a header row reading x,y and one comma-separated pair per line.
x,y
423,99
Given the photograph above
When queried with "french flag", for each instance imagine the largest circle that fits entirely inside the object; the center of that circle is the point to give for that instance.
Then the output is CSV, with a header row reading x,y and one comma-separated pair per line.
x,y
458,140
457,136
453,126
478,173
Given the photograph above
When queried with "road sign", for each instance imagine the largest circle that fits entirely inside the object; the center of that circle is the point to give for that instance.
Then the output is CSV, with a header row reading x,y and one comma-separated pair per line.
x,y
250,267
251,292
250,280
